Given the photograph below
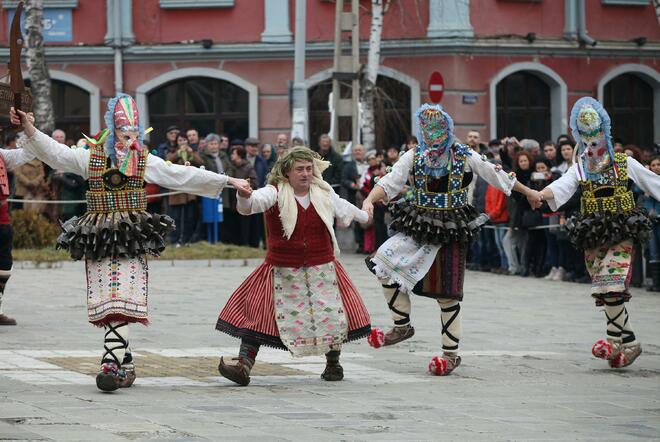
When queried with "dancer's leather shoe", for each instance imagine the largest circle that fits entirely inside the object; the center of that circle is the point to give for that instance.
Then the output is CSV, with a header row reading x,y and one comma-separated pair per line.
x,y
239,373
398,334
6,320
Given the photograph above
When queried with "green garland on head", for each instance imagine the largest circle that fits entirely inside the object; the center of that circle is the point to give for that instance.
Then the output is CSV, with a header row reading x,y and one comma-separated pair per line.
x,y
285,163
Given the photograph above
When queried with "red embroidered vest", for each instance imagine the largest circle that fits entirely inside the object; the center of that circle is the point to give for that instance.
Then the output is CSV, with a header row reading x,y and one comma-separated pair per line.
x,y
309,245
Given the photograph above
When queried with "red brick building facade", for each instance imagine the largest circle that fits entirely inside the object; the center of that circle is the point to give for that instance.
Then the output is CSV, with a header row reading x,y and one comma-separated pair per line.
x,y
509,67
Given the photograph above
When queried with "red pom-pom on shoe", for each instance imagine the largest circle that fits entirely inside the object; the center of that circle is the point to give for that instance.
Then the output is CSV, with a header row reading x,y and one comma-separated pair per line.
x,y
602,349
377,338
438,366
619,360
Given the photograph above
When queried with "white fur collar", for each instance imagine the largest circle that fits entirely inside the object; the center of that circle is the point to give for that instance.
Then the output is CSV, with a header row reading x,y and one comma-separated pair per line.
x,y
321,199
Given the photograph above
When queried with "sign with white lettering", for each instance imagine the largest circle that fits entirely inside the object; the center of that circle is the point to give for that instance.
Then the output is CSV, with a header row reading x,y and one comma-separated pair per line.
x,y
58,24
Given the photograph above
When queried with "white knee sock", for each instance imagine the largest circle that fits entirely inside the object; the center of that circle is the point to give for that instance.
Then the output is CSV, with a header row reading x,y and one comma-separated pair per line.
x,y
398,303
627,335
450,315
4,277
617,317
116,343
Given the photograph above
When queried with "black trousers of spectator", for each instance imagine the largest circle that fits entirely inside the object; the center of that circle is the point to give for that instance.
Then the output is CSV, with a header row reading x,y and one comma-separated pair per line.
x,y
184,216
6,238
379,224
236,228
256,229
536,248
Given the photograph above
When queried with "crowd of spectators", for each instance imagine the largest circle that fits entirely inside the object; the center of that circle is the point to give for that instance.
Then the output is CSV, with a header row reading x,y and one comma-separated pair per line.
x,y
535,243
517,241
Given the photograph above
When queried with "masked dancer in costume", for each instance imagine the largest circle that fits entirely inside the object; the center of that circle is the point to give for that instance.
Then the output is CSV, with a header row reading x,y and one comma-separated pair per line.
x,y
116,233
608,222
9,159
300,299
434,226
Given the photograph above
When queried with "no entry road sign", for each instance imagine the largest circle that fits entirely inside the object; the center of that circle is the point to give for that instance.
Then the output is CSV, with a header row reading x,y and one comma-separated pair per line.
x,y
436,87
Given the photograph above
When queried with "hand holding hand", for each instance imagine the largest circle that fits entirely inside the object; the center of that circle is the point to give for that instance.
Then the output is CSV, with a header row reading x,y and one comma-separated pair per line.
x,y
368,207
242,186
535,199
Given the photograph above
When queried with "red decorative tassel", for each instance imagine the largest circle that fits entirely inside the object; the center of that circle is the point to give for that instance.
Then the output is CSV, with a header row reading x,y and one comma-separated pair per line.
x,y
602,349
377,338
619,360
437,366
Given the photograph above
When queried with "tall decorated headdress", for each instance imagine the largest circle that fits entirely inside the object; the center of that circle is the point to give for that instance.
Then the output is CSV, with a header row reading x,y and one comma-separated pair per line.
x,y
591,127
123,114
435,132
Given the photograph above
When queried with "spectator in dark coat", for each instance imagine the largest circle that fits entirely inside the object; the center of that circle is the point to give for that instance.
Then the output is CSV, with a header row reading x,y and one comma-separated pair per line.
x,y
350,184
170,142
216,160
259,164
237,227
332,175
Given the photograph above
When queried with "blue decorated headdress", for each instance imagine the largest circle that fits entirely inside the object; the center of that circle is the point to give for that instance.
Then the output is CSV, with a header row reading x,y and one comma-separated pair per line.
x,y
589,121
435,132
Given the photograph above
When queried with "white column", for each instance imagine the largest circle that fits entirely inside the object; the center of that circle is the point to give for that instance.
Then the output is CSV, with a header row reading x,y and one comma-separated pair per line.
x,y
276,19
449,18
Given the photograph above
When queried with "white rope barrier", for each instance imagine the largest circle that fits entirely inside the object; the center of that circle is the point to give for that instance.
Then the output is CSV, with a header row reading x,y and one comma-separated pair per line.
x,y
15,200
157,195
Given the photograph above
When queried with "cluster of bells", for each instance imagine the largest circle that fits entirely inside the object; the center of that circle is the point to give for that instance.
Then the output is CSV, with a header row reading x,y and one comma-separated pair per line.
x,y
593,230
97,236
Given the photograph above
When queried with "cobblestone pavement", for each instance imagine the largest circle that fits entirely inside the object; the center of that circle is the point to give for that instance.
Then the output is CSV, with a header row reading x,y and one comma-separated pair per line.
x,y
527,371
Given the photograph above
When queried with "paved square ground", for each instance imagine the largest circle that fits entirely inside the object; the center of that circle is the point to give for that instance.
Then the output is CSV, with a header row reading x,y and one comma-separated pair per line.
x,y
527,371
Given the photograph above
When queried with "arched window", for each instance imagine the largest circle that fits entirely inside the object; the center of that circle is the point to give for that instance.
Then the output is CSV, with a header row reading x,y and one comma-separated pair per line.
x,y
202,103
523,107
392,112
71,109
629,101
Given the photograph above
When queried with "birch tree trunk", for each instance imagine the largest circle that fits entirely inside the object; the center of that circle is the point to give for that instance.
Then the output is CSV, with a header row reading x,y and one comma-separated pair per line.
x,y
37,68
656,3
370,75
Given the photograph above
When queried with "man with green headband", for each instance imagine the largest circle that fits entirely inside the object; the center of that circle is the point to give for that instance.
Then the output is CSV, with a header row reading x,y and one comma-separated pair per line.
x,y
300,299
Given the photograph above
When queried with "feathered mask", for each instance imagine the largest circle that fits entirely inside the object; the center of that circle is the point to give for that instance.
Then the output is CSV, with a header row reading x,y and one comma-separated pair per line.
x,y
591,127
435,131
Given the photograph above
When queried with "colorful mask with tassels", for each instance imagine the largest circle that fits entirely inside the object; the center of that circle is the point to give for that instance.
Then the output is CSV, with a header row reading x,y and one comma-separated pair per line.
x,y
124,144
591,124
436,136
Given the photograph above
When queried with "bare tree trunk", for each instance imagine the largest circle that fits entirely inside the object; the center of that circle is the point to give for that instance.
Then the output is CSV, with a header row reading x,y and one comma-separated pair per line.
x,y
656,3
37,68
370,75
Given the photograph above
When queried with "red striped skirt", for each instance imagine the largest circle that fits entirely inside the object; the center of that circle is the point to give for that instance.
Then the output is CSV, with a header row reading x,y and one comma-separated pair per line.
x,y
250,311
